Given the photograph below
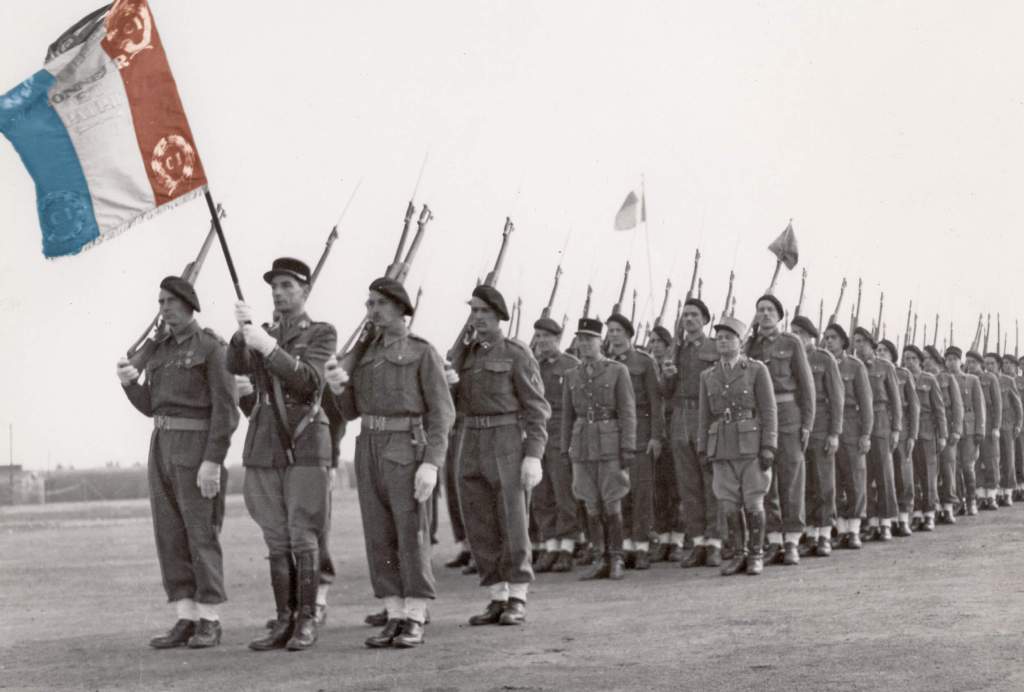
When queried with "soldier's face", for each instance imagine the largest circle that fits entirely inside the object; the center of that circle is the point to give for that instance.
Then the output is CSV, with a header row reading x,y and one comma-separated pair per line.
x,y
1009,369
727,343
805,338
931,365
952,363
991,365
545,342
862,346
383,312
693,320
883,353
767,317
482,317
659,349
833,343
589,346
173,310
911,361
617,335
289,294
973,366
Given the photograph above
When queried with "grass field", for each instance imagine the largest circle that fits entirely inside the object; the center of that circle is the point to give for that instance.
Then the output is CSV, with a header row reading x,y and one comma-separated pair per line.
x,y
81,596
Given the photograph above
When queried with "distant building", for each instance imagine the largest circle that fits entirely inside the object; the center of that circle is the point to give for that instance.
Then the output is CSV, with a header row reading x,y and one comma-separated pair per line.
x,y
21,487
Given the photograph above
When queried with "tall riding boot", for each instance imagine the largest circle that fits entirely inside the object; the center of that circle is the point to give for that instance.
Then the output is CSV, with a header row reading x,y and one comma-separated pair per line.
x,y
616,564
755,527
598,567
305,633
282,581
738,537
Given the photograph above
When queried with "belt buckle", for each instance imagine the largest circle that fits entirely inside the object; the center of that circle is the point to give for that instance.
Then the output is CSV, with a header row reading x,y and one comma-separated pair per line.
x,y
485,422
159,422
590,415
376,423
727,415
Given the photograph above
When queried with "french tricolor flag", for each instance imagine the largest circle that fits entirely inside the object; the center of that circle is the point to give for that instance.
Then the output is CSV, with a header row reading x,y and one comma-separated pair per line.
x,y
102,130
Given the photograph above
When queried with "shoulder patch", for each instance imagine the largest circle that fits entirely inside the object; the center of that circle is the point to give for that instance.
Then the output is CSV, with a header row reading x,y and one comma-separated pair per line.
x,y
215,335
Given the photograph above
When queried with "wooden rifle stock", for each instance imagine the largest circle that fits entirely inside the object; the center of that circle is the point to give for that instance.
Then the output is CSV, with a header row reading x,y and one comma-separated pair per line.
x,y
664,304
839,303
803,288
416,306
881,306
617,308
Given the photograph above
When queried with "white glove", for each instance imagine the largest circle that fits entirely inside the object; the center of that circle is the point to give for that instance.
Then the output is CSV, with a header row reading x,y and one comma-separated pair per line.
x,y
208,479
257,339
335,375
532,472
450,376
126,372
243,385
425,482
332,479
243,313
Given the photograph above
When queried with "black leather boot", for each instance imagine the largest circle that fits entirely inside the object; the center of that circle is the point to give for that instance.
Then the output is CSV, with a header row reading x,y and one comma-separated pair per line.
x,y
755,529
177,636
598,567
614,529
738,537
305,633
282,581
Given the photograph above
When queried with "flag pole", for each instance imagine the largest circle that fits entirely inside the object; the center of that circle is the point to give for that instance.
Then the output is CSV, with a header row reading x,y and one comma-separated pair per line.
x,y
647,239
223,242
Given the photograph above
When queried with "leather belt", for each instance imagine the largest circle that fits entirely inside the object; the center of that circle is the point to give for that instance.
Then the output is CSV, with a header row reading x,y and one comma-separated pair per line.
x,y
592,416
784,397
266,400
729,415
495,421
177,423
390,423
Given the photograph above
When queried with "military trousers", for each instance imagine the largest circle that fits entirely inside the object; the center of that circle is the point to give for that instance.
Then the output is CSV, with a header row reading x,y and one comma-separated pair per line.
x,y
820,486
851,480
1007,459
694,480
185,524
881,485
987,468
638,505
667,513
493,502
451,485
327,571
553,507
926,476
1020,458
396,527
740,484
903,476
965,462
289,505
784,504
947,474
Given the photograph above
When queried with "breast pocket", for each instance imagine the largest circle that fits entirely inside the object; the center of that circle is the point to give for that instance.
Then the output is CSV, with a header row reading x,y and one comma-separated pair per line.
x,y
712,446
779,363
750,436
399,372
848,387
608,434
190,376
498,376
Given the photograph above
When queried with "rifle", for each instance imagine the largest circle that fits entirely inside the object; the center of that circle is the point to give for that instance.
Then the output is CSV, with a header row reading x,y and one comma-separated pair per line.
x,y
999,333
546,312
617,308
1016,339
457,353
519,315
728,295
331,237
821,313
677,327
511,321
632,312
693,276
803,287
988,328
977,333
839,303
700,289
910,312
732,310
586,302
140,351
924,336
416,306
881,305
913,338
935,335
664,304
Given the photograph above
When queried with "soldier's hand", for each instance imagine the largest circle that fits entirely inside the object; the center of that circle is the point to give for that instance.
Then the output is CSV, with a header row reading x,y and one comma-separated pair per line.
x,y
895,440
424,482
669,369
995,433
243,313
940,445
864,444
243,385
335,375
126,372
765,459
702,457
450,376
1016,431
805,438
831,444
208,479
332,478
258,340
627,459
654,448
910,447
532,472
978,439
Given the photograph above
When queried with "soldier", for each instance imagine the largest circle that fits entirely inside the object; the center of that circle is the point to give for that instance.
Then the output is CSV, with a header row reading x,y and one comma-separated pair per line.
x,y
668,518
988,460
949,387
399,392
820,494
504,430
887,407
738,436
1010,428
599,440
858,423
554,507
1018,378
974,430
794,394
190,397
902,458
638,505
931,439
695,353
287,455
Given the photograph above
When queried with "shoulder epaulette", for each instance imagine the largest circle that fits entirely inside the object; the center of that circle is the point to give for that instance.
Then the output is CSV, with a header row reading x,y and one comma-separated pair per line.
x,y
215,335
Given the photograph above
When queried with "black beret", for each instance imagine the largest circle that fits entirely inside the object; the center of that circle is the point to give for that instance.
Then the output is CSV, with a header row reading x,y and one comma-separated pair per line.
x,y
393,291
182,289
838,329
495,301
955,352
933,353
865,334
699,304
805,324
623,322
915,350
290,266
546,324
774,301
975,355
1010,359
891,348
663,334
588,326
995,356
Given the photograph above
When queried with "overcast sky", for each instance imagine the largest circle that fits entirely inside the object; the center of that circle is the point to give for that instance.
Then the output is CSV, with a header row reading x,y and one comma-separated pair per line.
x,y
889,132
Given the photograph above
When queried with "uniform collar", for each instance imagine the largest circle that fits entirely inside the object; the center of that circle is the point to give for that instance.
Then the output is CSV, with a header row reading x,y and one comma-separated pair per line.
x,y
552,357
694,340
190,329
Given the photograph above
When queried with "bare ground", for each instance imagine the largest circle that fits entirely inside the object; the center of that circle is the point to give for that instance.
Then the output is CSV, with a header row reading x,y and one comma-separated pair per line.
x,y
80,596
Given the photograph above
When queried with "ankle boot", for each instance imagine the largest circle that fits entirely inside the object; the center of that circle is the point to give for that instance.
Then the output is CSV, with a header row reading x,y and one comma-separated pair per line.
x,y
738,537
282,581
755,528
598,565
613,527
305,634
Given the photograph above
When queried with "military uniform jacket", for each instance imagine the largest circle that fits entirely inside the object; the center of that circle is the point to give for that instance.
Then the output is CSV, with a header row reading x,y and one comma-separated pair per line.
x,y
953,398
974,404
553,369
643,372
303,346
933,423
503,377
186,378
911,404
402,376
737,411
993,400
791,375
858,405
598,412
1011,403
885,394
829,392
692,358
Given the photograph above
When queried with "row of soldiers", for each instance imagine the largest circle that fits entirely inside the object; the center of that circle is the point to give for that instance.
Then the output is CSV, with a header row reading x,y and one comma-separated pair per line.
x,y
757,437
